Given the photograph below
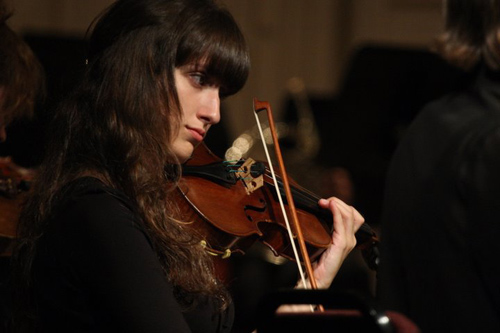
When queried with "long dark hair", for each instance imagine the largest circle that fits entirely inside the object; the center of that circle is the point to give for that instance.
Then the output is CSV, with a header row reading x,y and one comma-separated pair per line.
x,y
472,33
118,124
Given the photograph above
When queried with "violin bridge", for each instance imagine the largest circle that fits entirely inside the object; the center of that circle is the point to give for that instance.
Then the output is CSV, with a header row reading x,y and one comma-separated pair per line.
x,y
244,173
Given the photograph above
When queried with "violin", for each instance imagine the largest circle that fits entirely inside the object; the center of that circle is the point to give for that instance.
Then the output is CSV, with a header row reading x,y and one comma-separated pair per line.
x,y
15,182
233,204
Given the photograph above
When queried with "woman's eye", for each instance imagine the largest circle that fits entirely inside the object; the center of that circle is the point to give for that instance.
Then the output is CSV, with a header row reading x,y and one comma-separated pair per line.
x,y
198,78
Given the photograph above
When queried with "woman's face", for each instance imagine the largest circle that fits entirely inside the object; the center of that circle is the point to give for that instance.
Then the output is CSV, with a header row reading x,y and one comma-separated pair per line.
x,y
200,103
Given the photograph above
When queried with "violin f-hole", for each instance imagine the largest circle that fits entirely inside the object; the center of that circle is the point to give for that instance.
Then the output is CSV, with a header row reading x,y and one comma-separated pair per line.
x,y
250,208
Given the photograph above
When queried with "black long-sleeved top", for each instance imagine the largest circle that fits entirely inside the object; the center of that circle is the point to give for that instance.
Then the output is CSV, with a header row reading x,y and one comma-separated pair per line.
x,y
96,271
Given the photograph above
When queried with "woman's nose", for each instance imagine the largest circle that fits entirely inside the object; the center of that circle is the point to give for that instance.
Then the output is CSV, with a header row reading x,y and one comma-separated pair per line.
x,y
210,112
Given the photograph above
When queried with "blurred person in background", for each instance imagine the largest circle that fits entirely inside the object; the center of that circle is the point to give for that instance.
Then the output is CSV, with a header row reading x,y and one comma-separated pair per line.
x,y
21,85
440,231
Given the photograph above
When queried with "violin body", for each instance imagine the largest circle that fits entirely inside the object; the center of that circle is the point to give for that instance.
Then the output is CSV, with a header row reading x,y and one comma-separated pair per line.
x,y
215,197
206,203
14,185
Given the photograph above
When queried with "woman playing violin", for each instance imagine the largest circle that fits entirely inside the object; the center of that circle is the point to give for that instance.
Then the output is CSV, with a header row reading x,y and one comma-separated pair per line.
x,y
101,246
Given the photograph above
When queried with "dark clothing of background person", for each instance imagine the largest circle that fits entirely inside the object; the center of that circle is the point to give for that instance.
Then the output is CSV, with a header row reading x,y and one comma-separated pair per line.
x,y
441,224
96,271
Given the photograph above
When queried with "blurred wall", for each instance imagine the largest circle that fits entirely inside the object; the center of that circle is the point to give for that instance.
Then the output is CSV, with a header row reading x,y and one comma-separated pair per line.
x,y
311,39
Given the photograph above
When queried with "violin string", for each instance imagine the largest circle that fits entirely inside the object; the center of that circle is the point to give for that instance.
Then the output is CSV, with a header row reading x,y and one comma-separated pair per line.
x,y
310,200
290,235
303,196
303,191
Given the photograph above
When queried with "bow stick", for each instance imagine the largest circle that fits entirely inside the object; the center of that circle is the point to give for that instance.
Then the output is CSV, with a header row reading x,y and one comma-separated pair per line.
x,y
258,107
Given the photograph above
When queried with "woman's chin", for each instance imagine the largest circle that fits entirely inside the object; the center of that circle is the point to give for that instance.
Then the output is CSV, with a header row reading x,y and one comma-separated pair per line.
x,y
184,154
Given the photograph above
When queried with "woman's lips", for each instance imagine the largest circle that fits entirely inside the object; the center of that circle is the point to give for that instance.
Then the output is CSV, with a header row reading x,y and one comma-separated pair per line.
x,y
197,134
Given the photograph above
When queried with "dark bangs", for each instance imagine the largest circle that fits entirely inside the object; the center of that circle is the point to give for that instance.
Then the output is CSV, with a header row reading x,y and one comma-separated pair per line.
x,y
214,40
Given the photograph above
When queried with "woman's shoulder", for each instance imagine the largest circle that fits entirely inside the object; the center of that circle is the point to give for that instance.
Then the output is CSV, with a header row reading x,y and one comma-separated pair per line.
x,y
87,205
89,188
